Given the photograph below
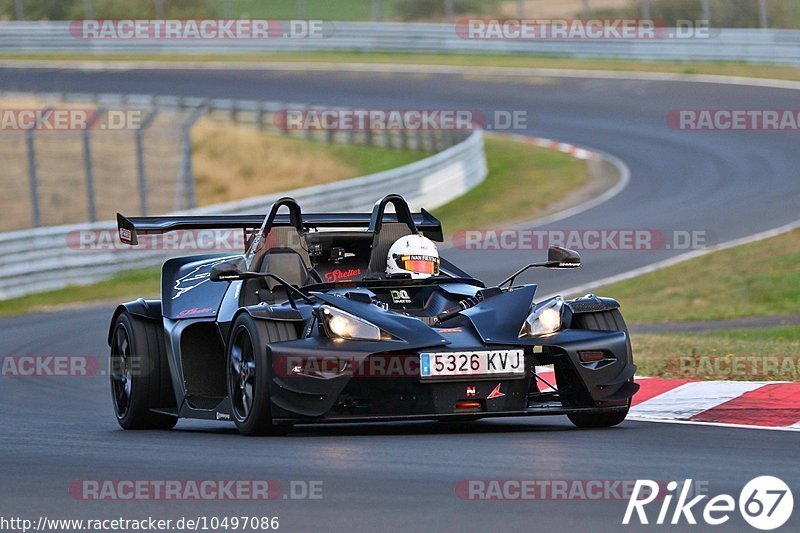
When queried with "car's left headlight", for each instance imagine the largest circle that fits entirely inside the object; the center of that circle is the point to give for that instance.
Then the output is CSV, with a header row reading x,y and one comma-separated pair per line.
x,y
545,319
339,324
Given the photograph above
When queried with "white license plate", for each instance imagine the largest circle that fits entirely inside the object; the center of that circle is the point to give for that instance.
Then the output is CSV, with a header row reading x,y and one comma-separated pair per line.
x,y
485,363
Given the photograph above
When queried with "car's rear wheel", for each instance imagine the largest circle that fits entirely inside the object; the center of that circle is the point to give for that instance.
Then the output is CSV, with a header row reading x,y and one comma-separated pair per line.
x,y
249,374
601,321
140,379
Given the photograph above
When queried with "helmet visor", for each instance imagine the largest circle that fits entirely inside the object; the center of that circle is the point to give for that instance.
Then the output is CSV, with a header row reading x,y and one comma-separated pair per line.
x,y
421,264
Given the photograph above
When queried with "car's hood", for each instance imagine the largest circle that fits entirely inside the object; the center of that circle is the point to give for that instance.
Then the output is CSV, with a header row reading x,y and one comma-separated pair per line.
x,y
497,320
412,331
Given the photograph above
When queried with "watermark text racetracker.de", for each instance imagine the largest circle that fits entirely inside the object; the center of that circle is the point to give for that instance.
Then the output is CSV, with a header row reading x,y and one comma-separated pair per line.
x,y
25,366
734,119
554,489
587,29
195,490
730,366
606,239
337,119
198,30
49,119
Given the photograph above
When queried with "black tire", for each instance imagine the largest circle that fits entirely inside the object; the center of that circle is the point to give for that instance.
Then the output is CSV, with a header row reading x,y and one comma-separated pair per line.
x,y
140,378
249,374
602,321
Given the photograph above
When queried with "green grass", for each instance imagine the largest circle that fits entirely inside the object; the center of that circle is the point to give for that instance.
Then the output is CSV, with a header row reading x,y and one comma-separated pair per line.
x,y
757,279
722,68
548,176
524,180
358,10
734,354
371,159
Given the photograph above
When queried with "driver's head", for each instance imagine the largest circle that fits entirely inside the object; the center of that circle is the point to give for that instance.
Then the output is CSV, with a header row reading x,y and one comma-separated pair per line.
x,y
415,255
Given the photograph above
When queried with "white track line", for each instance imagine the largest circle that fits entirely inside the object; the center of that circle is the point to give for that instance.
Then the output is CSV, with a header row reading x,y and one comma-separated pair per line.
x,y
692,399
634,418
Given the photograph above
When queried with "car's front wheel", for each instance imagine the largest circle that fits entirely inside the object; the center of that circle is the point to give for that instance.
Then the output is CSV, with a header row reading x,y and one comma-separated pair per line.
x,y
249,374
601,321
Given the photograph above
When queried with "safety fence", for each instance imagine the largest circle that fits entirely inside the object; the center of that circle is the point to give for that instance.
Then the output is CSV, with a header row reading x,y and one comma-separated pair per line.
x,y
134,153
49,258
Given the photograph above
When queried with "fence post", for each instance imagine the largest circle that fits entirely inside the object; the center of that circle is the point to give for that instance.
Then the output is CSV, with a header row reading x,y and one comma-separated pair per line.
x,y
645,9
32,178
185,189
377,12
159,9
20,10
140,169
520,9
89,165
260,117
301,9
707,11
310,131
449,9
586,10
762,14
88,9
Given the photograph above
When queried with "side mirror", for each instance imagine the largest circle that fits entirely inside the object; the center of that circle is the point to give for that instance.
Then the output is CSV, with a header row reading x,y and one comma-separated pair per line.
x,y
563,257
229,270
557,257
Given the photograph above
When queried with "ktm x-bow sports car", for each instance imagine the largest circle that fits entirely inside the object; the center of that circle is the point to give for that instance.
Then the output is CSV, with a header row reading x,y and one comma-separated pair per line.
x,y
306,326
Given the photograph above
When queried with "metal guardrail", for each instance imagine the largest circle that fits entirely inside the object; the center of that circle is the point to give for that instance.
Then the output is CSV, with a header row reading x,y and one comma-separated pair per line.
x,y
51,258
751,45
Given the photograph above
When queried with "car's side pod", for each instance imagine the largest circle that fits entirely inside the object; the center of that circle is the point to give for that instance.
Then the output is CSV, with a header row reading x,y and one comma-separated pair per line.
x,y
147,309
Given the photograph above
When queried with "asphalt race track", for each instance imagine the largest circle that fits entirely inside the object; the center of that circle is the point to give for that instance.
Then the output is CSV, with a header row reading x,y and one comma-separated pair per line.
x,y
402,477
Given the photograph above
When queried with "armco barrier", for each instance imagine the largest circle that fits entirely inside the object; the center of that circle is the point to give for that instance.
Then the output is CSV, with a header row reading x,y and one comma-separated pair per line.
x,y
751,45
41,259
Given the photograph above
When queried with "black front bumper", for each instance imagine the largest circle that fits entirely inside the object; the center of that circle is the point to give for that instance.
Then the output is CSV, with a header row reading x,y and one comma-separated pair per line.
x,y
347,396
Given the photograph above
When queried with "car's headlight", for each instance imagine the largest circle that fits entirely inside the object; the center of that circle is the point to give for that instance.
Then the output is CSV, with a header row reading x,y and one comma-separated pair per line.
x,y
341,325
545,319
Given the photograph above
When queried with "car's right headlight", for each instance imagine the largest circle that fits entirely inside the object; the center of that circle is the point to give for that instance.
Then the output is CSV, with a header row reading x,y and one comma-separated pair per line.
x,y
339,324
545,319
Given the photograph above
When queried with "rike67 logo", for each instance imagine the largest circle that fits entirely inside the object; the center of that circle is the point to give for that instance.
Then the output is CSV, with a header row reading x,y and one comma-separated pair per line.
x,y
765,503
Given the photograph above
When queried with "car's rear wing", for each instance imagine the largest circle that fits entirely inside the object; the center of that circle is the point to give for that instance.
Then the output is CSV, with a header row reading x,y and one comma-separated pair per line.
x,y
131,227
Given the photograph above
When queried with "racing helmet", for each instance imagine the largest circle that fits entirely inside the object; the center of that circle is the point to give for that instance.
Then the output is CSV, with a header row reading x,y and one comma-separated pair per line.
x,y
413,254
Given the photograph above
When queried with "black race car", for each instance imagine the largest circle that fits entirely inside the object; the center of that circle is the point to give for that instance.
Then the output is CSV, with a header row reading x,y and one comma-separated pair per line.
x,y
307,327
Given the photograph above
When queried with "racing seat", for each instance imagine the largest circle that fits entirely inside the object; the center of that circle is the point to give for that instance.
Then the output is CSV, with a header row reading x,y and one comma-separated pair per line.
x,y
285,263
382,241
283,253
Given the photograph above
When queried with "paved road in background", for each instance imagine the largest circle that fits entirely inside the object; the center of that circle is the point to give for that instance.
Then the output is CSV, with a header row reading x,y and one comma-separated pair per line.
x,y
402,477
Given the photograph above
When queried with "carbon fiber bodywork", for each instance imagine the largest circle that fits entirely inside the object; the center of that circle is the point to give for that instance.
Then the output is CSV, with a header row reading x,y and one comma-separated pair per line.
x,y
314,377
